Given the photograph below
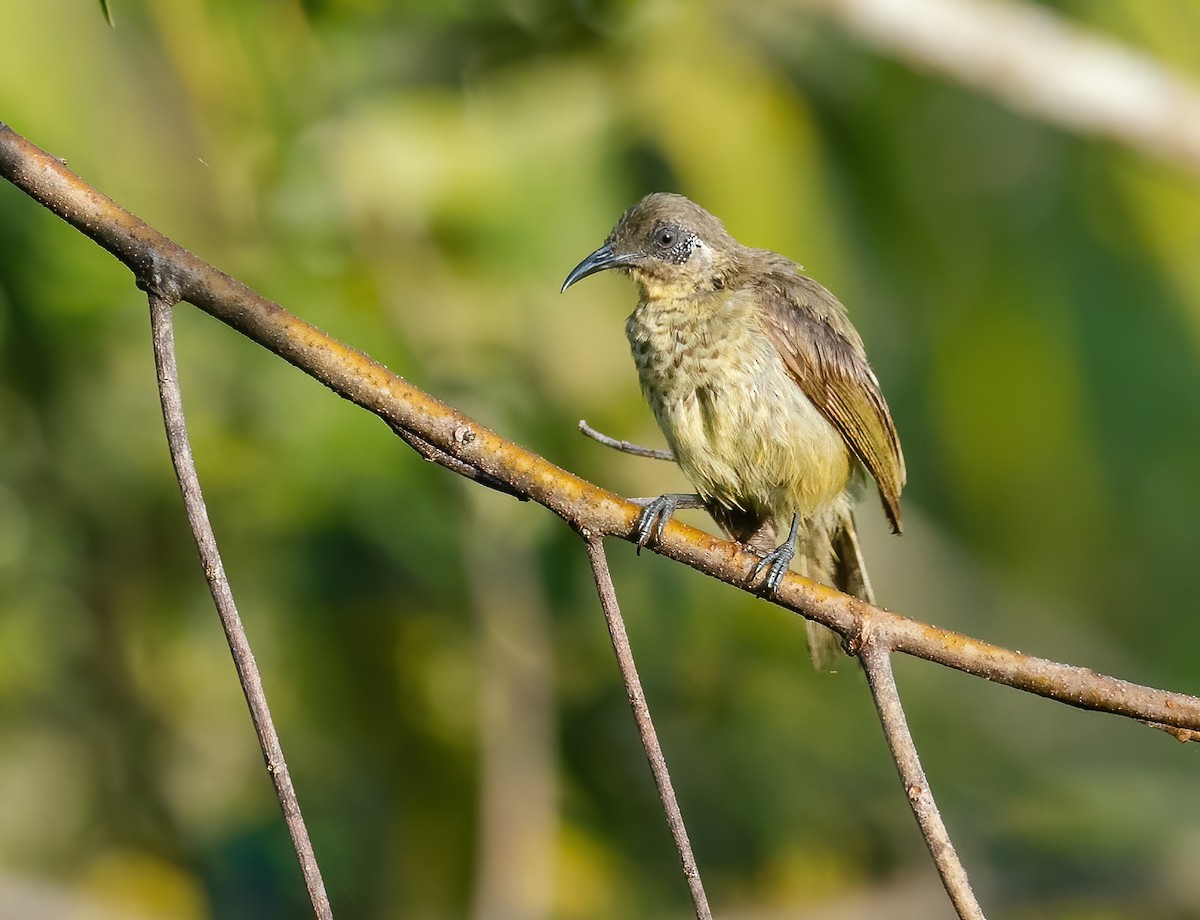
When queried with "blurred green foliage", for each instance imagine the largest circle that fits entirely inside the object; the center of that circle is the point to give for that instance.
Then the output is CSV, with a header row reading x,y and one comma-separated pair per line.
x,y
417,178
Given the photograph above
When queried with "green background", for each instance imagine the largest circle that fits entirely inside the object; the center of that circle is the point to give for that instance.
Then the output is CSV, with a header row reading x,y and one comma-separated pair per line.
x,y
417,179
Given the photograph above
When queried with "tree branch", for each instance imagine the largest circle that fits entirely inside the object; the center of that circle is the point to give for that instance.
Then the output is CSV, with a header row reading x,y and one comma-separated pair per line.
x,y
645,726
587,507
162,302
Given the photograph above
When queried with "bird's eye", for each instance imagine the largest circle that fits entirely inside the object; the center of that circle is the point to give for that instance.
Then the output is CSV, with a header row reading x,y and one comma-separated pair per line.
x,y
665,237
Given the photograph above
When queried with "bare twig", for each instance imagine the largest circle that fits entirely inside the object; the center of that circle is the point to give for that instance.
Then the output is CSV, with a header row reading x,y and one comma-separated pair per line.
x,y
1179,734
1040,63
354,376
876,662
626,447
453,464
214,571
645,726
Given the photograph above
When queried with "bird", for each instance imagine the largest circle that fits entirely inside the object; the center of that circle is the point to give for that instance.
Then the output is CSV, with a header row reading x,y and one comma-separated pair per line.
x,y
762,388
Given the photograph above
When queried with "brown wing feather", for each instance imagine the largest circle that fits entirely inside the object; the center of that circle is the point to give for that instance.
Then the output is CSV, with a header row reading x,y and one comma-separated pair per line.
x,y
825,355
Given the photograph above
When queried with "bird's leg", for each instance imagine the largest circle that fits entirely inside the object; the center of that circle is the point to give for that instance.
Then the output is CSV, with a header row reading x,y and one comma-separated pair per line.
x,y
777,561
660,510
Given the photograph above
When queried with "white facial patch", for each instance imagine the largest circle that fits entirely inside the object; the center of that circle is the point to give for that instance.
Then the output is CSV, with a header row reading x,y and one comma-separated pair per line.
x,y
702,254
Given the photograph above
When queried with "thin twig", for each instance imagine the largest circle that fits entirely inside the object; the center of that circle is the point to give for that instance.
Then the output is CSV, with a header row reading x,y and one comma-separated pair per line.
x,y
587,507
877,663
210,557
645,726
437,455
1179,734
626,447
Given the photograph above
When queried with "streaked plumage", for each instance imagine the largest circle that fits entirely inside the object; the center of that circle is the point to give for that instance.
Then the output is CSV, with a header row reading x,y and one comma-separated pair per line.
x,y
761,387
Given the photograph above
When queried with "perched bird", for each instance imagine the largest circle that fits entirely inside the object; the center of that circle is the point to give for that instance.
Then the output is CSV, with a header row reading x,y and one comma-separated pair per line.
x,y
762,389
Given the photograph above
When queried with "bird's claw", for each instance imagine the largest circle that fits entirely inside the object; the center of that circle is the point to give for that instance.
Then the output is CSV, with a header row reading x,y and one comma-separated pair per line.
x,y
776,563
653,519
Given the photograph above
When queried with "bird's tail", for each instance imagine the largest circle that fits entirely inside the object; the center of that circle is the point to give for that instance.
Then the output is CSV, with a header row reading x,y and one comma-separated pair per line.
x,y
841,565
849,570
830,555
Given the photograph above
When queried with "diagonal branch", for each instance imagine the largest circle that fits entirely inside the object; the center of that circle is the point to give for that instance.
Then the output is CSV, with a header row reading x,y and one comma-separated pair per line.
x,y
214,571
645,726
587,507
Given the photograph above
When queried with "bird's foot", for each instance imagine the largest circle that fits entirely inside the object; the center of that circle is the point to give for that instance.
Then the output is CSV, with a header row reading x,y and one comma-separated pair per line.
x,y
657,511
776,564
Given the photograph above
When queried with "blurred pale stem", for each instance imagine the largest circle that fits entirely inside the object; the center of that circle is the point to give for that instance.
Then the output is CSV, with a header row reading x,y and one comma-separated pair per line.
x,y
1037,61
517,827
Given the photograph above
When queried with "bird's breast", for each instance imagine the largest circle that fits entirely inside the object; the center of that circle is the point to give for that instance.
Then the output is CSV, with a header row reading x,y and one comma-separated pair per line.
x,y
741,428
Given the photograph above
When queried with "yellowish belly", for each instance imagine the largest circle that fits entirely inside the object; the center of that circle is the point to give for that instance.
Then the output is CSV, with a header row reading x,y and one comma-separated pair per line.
x,y
768,451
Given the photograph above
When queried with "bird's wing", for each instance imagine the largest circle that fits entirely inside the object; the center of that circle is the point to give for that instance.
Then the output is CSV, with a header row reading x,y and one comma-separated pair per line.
x,y
825,356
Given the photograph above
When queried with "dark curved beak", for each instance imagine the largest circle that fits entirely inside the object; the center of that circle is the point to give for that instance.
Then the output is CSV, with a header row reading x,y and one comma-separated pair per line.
x,y
600,260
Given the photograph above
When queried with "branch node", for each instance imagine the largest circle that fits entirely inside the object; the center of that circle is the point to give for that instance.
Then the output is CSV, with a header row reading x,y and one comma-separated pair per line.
x,y
158,280
433,454
1182,735
862,640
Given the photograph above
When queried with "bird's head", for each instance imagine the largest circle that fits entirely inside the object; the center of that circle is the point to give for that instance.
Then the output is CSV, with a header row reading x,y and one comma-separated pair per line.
x,y
671,246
